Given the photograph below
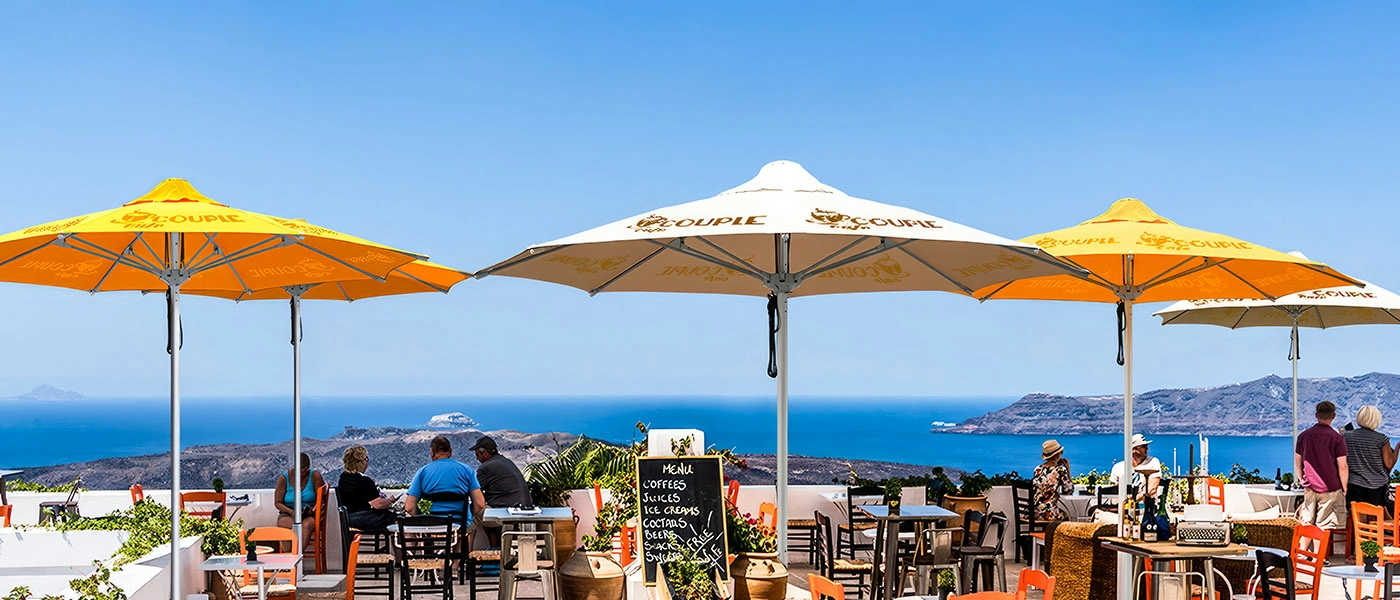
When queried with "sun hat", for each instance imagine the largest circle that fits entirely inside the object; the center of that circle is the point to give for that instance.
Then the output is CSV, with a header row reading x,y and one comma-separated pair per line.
x,y
1369,417
1138,440
1050,449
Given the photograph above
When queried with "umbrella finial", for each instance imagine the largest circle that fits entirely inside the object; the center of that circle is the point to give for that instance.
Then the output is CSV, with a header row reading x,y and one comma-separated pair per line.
x,y
783,176
1129,210
173,190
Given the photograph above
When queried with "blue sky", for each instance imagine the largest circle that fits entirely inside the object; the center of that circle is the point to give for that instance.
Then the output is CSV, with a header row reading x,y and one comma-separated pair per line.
x,y
468,131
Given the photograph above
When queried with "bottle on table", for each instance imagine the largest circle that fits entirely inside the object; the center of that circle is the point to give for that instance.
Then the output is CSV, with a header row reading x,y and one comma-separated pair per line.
x,y
1278,478
1141,520
1149,523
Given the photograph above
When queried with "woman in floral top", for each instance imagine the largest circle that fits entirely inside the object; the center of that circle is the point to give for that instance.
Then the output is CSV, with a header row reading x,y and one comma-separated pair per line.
x,y
1050,480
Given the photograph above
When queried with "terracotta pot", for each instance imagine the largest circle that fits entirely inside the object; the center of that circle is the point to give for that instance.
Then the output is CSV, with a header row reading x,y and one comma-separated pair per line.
x,y
564,542
960,505
759,576
591,576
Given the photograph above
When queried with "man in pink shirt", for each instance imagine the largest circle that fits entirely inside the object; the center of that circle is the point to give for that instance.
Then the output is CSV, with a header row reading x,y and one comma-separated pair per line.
x,y
1321,460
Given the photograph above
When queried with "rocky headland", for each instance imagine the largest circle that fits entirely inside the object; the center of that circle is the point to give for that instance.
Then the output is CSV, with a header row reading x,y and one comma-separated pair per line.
x,y
1263,407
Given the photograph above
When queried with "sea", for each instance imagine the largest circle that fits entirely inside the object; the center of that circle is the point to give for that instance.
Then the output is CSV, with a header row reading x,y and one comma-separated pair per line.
x,y
36,433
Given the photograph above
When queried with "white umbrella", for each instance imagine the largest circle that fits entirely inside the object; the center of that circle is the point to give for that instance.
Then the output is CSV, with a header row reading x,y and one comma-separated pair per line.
x,y
781,234
1317,308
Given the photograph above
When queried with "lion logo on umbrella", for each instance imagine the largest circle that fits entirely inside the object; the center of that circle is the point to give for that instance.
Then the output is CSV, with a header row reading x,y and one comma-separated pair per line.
x,y
834,220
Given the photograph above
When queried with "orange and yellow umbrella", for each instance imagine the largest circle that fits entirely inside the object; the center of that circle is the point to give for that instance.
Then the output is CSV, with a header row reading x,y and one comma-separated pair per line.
x,y
175,237
1132,254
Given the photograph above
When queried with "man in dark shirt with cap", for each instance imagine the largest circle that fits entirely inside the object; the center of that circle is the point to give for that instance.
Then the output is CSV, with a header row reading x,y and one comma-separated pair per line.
x,y
500,480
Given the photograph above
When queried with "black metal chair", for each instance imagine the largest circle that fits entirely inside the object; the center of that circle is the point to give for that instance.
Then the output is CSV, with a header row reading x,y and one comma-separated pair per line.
x,y
1023,497
830,566
1270,585
429,551
857,521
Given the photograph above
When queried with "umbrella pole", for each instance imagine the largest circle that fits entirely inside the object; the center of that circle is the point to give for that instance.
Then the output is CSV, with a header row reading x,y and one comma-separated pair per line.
x,y
1295,391
782,352
173,315
296,421
1125,561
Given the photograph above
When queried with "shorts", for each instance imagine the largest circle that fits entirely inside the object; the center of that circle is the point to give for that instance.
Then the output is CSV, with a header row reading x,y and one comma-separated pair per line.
x,y
1324,509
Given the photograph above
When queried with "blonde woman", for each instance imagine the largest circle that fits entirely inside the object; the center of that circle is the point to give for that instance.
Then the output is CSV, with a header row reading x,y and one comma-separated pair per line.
x,y
367,507
1370,458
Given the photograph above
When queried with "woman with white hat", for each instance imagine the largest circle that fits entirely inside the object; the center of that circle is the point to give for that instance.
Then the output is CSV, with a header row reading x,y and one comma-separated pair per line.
x,y
1146,469
1051,479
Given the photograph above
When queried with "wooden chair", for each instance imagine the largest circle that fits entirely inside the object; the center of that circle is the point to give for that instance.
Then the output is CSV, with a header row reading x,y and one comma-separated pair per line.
x,y
1310,546
1033,578
279,583
857,521
830,566
1270,588
822,587
137,494
802,535
1367,523
731,496
625,542
5,510
768,516
1215,492
1023,498
352,555
204,498
429,552
316,532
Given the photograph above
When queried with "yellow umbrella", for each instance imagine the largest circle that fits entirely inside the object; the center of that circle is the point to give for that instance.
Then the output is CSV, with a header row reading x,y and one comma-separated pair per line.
x,y
175,237
1132,254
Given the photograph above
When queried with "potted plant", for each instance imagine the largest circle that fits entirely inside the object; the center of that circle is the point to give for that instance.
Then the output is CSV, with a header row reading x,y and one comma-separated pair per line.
x,y
1239,534
686,577
553,480
592,573
946,581
1370,552
894,487
971,494
756,571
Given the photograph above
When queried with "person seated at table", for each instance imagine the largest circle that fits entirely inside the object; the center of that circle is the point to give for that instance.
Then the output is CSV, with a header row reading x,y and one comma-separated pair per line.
x,y
445,476
1147,470
1051,479
367,508
285,497
501,482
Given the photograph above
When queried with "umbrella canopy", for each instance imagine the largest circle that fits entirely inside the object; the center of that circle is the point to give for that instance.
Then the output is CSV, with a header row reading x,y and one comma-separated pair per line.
x,y
1316,308
1132,255
781,234
175,236
417,277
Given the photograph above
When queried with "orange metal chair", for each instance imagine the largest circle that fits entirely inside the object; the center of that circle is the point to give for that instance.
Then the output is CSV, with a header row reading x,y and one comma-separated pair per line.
x,y
137,494
768,516
825,588
5,510
1367,523
1310,548
731,496
316,531
1032,578
1215,492
279,583
203,499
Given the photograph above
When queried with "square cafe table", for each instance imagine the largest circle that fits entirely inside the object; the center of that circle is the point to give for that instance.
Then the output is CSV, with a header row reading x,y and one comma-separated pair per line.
x,y
1169,551
889,526
524,521
267,562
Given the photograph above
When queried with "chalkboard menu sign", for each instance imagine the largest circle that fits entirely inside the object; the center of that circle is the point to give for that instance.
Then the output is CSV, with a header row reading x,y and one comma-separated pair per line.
x,y
682,506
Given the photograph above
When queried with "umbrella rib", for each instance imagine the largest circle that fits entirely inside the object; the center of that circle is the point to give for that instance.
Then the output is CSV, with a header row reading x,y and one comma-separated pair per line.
x,y
884,246
678,245
512,263
625,272
155,263
103,253
920,260
1271,297
1047,259
407,275
1321,322
755,272
1237,322
219,251
1165,272
110,268
329,257
245,253
196,260
345,294
1328,272
1090,276
833,255
28,252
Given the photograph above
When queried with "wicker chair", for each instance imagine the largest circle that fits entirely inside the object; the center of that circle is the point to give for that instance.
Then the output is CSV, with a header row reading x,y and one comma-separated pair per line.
x,y
1083,568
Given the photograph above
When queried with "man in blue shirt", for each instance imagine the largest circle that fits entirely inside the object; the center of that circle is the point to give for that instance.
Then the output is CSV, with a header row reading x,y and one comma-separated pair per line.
x,y
444,475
